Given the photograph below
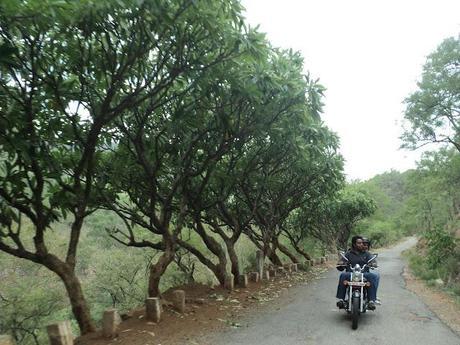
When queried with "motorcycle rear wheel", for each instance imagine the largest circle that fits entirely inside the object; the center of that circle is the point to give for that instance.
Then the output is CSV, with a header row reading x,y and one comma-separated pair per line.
x,y
355,306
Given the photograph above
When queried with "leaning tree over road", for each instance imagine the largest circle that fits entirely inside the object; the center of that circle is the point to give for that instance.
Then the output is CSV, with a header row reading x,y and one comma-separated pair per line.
x,y
161,151
68,70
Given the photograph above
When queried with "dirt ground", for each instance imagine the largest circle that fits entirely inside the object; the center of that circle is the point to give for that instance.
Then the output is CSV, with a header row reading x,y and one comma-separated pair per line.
x,y
439,302
208,309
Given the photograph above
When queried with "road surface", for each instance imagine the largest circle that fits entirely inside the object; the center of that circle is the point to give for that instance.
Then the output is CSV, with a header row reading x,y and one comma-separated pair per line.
x,y
308,315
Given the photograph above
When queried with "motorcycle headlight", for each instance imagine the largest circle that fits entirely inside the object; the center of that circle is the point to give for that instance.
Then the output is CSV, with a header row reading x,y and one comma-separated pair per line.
x,y
357,277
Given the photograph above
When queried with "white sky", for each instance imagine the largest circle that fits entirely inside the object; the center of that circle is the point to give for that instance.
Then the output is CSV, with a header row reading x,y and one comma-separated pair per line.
x,y
369,55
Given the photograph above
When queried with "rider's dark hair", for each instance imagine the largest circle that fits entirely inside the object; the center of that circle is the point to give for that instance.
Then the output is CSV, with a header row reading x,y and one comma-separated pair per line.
x,y
354,239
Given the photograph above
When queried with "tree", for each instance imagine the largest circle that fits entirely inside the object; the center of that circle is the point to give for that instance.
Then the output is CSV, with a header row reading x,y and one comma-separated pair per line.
x,y
433,111
433,190
298,164
274,93
68,70
333,219
161,150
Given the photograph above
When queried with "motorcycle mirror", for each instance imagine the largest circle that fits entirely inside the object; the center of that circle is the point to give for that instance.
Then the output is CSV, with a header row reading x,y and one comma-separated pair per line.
x,y
373,258
343,256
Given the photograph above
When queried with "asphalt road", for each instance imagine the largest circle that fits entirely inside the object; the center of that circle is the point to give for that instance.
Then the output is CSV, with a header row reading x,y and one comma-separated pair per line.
x,y
308,315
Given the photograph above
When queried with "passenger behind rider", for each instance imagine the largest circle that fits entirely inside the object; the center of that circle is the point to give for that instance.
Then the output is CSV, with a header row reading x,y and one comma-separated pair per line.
x,y
367,245
356,255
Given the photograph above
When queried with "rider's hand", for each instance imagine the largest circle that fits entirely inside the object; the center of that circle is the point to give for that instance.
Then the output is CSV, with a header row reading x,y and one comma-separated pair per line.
x,y
341,265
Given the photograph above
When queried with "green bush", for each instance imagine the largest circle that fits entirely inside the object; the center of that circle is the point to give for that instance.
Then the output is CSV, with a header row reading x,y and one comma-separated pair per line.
x,y
441,245
30,298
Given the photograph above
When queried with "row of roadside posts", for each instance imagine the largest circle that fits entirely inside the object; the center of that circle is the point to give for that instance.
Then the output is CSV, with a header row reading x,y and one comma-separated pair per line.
x,y
61,333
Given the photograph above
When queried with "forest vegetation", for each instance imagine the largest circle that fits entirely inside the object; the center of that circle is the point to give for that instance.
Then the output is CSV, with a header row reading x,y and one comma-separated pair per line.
x,y
148,144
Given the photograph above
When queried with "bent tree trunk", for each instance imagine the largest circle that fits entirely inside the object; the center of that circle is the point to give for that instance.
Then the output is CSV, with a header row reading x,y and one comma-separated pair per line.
x,y
219,269
158,269
230,244
301,251
72,285
286,252
343,236
295,244
272,256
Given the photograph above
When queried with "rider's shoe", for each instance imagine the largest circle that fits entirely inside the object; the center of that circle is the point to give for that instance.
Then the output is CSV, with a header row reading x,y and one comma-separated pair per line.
x,y
371,305
341,304
378,302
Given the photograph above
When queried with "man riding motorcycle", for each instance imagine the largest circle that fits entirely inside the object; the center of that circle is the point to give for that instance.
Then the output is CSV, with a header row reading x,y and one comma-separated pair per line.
x,y
356,255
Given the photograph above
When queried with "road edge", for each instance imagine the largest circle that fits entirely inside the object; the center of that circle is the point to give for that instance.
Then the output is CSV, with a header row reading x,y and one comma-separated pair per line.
x,y
440,303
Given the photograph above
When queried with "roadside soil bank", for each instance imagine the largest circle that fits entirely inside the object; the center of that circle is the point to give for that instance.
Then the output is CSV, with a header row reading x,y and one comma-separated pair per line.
x,y
439,302
208,309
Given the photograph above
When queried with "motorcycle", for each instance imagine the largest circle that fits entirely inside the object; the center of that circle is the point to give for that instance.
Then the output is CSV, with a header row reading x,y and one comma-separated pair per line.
x,y
356,301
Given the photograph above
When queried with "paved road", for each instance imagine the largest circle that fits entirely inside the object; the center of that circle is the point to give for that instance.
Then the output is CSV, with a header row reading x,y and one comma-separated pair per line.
x,y
309,316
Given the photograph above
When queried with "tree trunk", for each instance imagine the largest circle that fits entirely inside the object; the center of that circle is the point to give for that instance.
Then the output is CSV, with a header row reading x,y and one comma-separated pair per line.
x,y
219,270
286,252
301,251
295,244
72,284
272,256
157,270
343,236
80,308
233,259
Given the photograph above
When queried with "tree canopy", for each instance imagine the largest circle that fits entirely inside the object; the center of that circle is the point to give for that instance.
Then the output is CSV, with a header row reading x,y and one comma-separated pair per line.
x,y
433,111
174,117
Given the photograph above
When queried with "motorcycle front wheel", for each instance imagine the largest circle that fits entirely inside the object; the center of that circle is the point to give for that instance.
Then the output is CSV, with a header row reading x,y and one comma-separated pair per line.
x,y
355,306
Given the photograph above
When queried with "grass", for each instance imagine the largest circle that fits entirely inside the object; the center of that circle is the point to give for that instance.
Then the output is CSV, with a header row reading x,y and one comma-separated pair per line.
x,y
419,266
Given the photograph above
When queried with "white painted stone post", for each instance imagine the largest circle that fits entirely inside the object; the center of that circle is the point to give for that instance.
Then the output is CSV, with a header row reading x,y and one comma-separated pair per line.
x,y
60,333
153,309
229,283
110,322
260,262
267,275
254,277
6,339
178,297
295,268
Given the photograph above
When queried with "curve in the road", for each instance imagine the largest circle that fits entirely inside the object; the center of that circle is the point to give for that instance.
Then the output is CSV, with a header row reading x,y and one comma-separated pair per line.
x,y
309,315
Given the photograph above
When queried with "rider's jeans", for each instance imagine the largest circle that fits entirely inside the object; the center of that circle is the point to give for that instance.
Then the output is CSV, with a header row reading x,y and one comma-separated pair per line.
x,y
377,276
371,290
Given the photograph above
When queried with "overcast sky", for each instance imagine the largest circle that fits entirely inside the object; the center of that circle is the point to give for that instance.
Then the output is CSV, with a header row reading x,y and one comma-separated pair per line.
x,y
369,55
